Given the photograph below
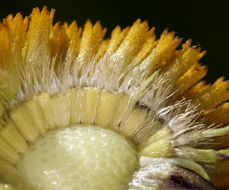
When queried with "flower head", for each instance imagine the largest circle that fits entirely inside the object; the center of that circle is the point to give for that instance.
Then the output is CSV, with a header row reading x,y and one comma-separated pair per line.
x,y
125,112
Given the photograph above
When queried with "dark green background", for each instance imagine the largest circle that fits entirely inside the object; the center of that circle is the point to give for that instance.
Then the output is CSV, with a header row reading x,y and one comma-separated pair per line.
x,y
206,22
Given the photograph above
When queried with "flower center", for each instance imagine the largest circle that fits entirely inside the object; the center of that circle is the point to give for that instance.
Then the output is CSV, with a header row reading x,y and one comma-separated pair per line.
x,y
80,157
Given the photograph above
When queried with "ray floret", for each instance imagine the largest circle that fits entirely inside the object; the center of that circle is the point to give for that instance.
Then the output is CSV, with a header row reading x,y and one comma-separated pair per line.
x,y
148,90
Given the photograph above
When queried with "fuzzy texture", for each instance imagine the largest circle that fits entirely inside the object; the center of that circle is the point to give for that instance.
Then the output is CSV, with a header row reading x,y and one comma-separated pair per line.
x,y
160,80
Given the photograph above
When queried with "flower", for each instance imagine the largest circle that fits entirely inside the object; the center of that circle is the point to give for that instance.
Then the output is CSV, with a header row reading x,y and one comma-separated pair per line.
x,y
126,112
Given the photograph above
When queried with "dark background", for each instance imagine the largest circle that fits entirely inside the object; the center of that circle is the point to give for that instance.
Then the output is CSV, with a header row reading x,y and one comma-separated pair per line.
x,y
205,22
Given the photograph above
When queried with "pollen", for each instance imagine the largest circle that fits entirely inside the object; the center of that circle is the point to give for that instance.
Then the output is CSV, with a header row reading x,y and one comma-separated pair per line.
x,y
81,111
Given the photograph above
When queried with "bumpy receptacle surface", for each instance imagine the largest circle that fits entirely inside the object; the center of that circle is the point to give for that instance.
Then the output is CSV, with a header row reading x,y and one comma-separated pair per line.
x,y
80,157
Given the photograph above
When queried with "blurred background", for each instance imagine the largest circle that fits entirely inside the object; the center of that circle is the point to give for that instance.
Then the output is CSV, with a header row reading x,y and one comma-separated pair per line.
x,y
205,22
